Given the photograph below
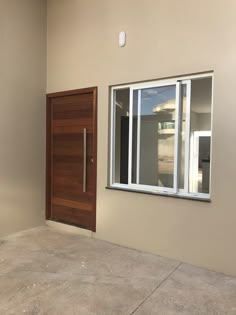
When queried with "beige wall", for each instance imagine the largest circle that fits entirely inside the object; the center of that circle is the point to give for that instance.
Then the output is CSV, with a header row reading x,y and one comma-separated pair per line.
x,y
164,38
22,113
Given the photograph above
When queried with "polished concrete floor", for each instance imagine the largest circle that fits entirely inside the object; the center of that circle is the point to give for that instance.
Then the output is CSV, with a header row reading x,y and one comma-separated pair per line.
x,y
45,271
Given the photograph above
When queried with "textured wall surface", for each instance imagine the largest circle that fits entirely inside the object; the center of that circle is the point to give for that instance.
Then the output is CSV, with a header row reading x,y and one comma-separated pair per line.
x,y
22,114
164,38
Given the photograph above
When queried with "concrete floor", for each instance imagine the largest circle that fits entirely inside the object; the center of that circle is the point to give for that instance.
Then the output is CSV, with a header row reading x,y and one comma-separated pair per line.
x,y
45,271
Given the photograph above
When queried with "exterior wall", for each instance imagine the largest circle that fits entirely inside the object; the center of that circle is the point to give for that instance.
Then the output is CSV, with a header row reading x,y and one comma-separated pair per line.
x,y
22,117
164,38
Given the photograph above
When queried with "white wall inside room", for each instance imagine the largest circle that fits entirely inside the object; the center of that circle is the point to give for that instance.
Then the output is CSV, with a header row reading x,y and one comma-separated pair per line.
x,y
164,39
201,104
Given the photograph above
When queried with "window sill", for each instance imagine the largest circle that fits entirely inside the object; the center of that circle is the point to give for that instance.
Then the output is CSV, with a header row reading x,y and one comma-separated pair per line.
x,y
196,198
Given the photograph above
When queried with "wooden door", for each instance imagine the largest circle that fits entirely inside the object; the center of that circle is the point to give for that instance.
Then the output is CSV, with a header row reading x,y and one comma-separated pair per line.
x,y
72,157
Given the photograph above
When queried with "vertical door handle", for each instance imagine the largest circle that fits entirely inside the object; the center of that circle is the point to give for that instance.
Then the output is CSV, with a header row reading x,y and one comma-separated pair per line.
x,y
85,161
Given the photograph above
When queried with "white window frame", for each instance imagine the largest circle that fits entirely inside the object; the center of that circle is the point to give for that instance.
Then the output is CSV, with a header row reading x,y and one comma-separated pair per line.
x,y
175,191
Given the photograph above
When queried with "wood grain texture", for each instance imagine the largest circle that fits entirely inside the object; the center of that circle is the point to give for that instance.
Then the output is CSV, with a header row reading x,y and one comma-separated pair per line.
x,y
68,113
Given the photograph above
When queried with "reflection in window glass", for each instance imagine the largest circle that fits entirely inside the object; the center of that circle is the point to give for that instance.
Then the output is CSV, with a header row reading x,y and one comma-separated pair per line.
x,y
162,139
121,101
200,135
154,136
182,141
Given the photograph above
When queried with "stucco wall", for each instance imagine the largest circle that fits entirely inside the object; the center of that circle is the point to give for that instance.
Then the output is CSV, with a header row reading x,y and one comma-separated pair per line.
x,y
164,38
22,114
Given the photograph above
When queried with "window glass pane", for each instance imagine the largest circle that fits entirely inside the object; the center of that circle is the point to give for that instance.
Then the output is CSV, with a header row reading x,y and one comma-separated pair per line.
x,y
121,104
182,136
154,136
135,136
200,135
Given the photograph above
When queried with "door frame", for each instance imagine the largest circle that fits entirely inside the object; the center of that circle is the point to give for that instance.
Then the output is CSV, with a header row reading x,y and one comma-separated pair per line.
x,y
49,151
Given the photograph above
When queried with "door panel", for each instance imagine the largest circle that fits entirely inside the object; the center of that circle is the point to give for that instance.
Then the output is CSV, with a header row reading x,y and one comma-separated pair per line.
x,y
68,113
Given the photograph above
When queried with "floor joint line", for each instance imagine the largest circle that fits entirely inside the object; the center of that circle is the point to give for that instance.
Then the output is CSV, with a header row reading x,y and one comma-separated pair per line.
x,y
156,288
